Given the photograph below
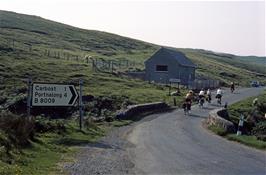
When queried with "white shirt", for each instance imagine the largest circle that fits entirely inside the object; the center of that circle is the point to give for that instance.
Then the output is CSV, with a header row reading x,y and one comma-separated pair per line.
x,y
219,91
201,93
208,92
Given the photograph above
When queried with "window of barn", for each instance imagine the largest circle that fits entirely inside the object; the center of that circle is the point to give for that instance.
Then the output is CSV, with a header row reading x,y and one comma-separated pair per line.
x,y
162,68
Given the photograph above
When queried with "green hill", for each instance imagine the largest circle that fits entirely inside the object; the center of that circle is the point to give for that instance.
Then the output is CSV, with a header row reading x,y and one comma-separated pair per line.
x,y
228,67
48,51
26,41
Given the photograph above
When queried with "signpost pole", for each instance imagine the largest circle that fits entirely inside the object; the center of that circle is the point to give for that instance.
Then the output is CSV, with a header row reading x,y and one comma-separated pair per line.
x,y
29,97
80,105
169,89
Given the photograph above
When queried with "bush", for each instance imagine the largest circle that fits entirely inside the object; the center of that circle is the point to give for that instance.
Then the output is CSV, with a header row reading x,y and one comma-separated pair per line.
x,y
16,130
105,106
260,131
2,100
42,125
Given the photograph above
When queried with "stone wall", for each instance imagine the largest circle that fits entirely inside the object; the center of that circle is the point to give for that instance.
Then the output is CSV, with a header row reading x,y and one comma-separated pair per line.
x,y
219,117
134,111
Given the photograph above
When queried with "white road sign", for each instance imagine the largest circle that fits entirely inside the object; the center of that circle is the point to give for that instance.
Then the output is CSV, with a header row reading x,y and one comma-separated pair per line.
x,y
53,95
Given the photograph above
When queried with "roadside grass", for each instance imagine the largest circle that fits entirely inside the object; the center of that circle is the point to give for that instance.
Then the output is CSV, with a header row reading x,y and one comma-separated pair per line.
x,y
49,151
245,107
251,141
119,123
248,140
217,130
235,110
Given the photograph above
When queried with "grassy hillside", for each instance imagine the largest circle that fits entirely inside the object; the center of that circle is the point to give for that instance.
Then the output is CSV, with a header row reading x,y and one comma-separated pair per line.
x,y
44,34
25,37
226,67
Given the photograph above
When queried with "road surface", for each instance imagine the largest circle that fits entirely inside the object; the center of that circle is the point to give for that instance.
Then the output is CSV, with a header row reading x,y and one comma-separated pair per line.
x,y
172,143
177,144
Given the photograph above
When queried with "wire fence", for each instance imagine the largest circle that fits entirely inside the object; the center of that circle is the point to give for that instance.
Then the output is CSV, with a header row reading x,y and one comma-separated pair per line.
x,y
203,84
98,64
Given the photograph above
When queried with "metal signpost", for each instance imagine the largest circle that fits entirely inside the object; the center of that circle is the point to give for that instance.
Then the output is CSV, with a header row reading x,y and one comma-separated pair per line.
x,y
29,97
80,105
49,95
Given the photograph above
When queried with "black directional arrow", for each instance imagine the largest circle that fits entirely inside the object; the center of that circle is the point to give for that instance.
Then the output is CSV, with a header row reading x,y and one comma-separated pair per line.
x,y
74,95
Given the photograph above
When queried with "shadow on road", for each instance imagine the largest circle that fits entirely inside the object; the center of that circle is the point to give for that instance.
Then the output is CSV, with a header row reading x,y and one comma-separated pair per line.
x,y
208,108
102,145
236,93
217,105
195,115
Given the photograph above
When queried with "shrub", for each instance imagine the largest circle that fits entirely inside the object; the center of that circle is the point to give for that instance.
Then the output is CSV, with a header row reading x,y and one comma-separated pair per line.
x,y
42,125
105,106
2,100
17,129
260,131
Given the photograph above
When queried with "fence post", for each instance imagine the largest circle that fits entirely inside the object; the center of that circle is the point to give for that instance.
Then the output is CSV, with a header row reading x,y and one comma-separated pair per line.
x,y
112,66
93,65
170,88
87,59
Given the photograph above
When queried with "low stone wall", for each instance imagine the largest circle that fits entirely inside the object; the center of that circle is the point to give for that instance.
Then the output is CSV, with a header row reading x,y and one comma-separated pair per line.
x,y
218,117
133,111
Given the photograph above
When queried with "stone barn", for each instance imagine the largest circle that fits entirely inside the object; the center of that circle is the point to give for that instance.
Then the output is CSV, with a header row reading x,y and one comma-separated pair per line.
x,y
167,64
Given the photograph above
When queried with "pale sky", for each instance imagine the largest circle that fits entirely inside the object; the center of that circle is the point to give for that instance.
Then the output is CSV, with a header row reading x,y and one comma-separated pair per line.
x,y
224,26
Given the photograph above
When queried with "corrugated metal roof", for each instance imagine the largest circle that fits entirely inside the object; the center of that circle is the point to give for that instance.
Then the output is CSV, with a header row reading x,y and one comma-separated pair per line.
x,y
179,56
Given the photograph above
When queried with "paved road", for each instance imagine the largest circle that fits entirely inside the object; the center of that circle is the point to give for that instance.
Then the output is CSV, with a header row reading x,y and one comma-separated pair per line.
x,y
170,143
176,144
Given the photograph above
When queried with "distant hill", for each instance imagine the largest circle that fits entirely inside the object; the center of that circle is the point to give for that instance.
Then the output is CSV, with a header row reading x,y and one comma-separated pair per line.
x,y
24,39
228,67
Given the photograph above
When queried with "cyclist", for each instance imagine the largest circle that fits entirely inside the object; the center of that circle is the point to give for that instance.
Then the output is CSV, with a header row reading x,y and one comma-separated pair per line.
x,y
232,86
219,95
188,102
201,97
209,96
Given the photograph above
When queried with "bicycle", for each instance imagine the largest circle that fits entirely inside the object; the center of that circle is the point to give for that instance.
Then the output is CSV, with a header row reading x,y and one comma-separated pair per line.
x,y
187,107
209,99
232,90
219,101
201,102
